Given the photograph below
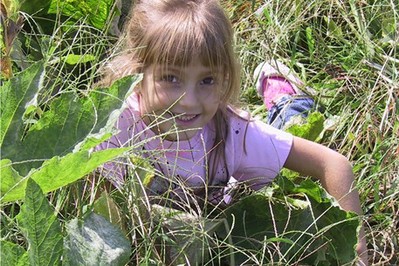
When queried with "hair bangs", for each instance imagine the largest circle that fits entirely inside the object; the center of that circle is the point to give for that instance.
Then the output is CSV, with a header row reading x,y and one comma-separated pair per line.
x,y
177,43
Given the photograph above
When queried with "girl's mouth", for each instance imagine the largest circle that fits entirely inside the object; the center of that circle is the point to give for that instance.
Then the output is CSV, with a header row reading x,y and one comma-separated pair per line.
x,y
186,117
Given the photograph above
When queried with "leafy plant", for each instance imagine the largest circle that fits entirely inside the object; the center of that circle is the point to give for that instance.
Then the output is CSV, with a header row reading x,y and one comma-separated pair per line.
x,y
66,132
292,224
51,118
91,241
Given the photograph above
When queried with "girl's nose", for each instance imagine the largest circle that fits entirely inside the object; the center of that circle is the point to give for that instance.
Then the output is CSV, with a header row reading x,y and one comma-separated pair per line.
x,y
189,97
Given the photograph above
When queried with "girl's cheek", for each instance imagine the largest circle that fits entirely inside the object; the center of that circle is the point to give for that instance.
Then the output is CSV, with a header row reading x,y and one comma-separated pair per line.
x,y
212,95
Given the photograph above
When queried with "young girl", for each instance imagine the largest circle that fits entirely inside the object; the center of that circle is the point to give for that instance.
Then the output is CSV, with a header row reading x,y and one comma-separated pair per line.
x,y
182,117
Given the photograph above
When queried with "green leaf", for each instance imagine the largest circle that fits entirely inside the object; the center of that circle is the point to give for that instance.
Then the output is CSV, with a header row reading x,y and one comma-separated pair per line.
x,y
308,234
95,241
40,227
142,169
96,12
14,98
311,129
71,119
59,172
305,187
333,30
12,254
107,208
311,42
9,177
74,59
35,6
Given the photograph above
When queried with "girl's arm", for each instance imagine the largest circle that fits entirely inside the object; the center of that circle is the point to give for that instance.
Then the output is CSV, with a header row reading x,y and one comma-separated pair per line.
x,y
335,174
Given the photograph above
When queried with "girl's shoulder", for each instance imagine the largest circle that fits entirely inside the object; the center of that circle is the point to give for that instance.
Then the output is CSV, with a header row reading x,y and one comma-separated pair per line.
x,y
245,128
238,113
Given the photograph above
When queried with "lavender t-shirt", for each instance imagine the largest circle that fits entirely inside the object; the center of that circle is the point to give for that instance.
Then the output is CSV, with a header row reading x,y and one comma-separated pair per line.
x,y
255,152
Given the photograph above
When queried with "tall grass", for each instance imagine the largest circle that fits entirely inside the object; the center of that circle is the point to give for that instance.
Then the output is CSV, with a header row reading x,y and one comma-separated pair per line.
x,y
348,52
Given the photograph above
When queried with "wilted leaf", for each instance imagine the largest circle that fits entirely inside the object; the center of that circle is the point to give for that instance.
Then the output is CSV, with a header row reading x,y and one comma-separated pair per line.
x,y
40,227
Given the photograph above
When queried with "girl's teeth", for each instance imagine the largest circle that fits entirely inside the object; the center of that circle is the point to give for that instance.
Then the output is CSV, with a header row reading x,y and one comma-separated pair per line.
x,y
187,117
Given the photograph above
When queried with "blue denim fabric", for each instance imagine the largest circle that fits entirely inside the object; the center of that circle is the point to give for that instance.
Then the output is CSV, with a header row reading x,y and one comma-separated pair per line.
x,y
287,107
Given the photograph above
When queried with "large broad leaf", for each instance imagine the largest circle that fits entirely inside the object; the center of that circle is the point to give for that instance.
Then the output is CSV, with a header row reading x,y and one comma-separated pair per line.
x,y
71,119
305,229
55,173
14,97
95,241
12,254
40,227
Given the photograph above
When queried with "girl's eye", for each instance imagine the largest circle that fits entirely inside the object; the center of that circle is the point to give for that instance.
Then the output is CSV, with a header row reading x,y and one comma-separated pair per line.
x,y
208,81
169,78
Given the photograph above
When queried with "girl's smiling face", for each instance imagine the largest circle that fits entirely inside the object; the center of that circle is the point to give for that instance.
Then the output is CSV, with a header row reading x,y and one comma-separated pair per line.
x,y
179,100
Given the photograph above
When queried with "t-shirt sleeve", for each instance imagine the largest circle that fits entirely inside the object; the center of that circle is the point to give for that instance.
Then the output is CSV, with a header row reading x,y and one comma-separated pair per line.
x,y
260,151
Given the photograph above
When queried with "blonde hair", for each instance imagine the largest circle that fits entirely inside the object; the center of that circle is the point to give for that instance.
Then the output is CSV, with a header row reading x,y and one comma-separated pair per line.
x,y
174,32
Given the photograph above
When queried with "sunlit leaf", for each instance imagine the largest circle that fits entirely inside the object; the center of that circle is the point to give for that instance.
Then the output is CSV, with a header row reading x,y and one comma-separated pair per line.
x,y
12,254
73,59
15,95
59,172
311,129
40,227
70,120
95,11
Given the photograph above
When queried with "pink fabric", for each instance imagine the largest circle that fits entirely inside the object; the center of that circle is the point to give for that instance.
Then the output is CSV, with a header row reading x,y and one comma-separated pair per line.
x,y
256,163
274,88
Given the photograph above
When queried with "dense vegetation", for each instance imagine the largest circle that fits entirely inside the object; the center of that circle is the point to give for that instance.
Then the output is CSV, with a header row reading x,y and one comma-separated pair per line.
x,y
54,211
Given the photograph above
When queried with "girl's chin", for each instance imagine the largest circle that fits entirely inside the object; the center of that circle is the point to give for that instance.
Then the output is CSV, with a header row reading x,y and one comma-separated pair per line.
x,y
186,134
